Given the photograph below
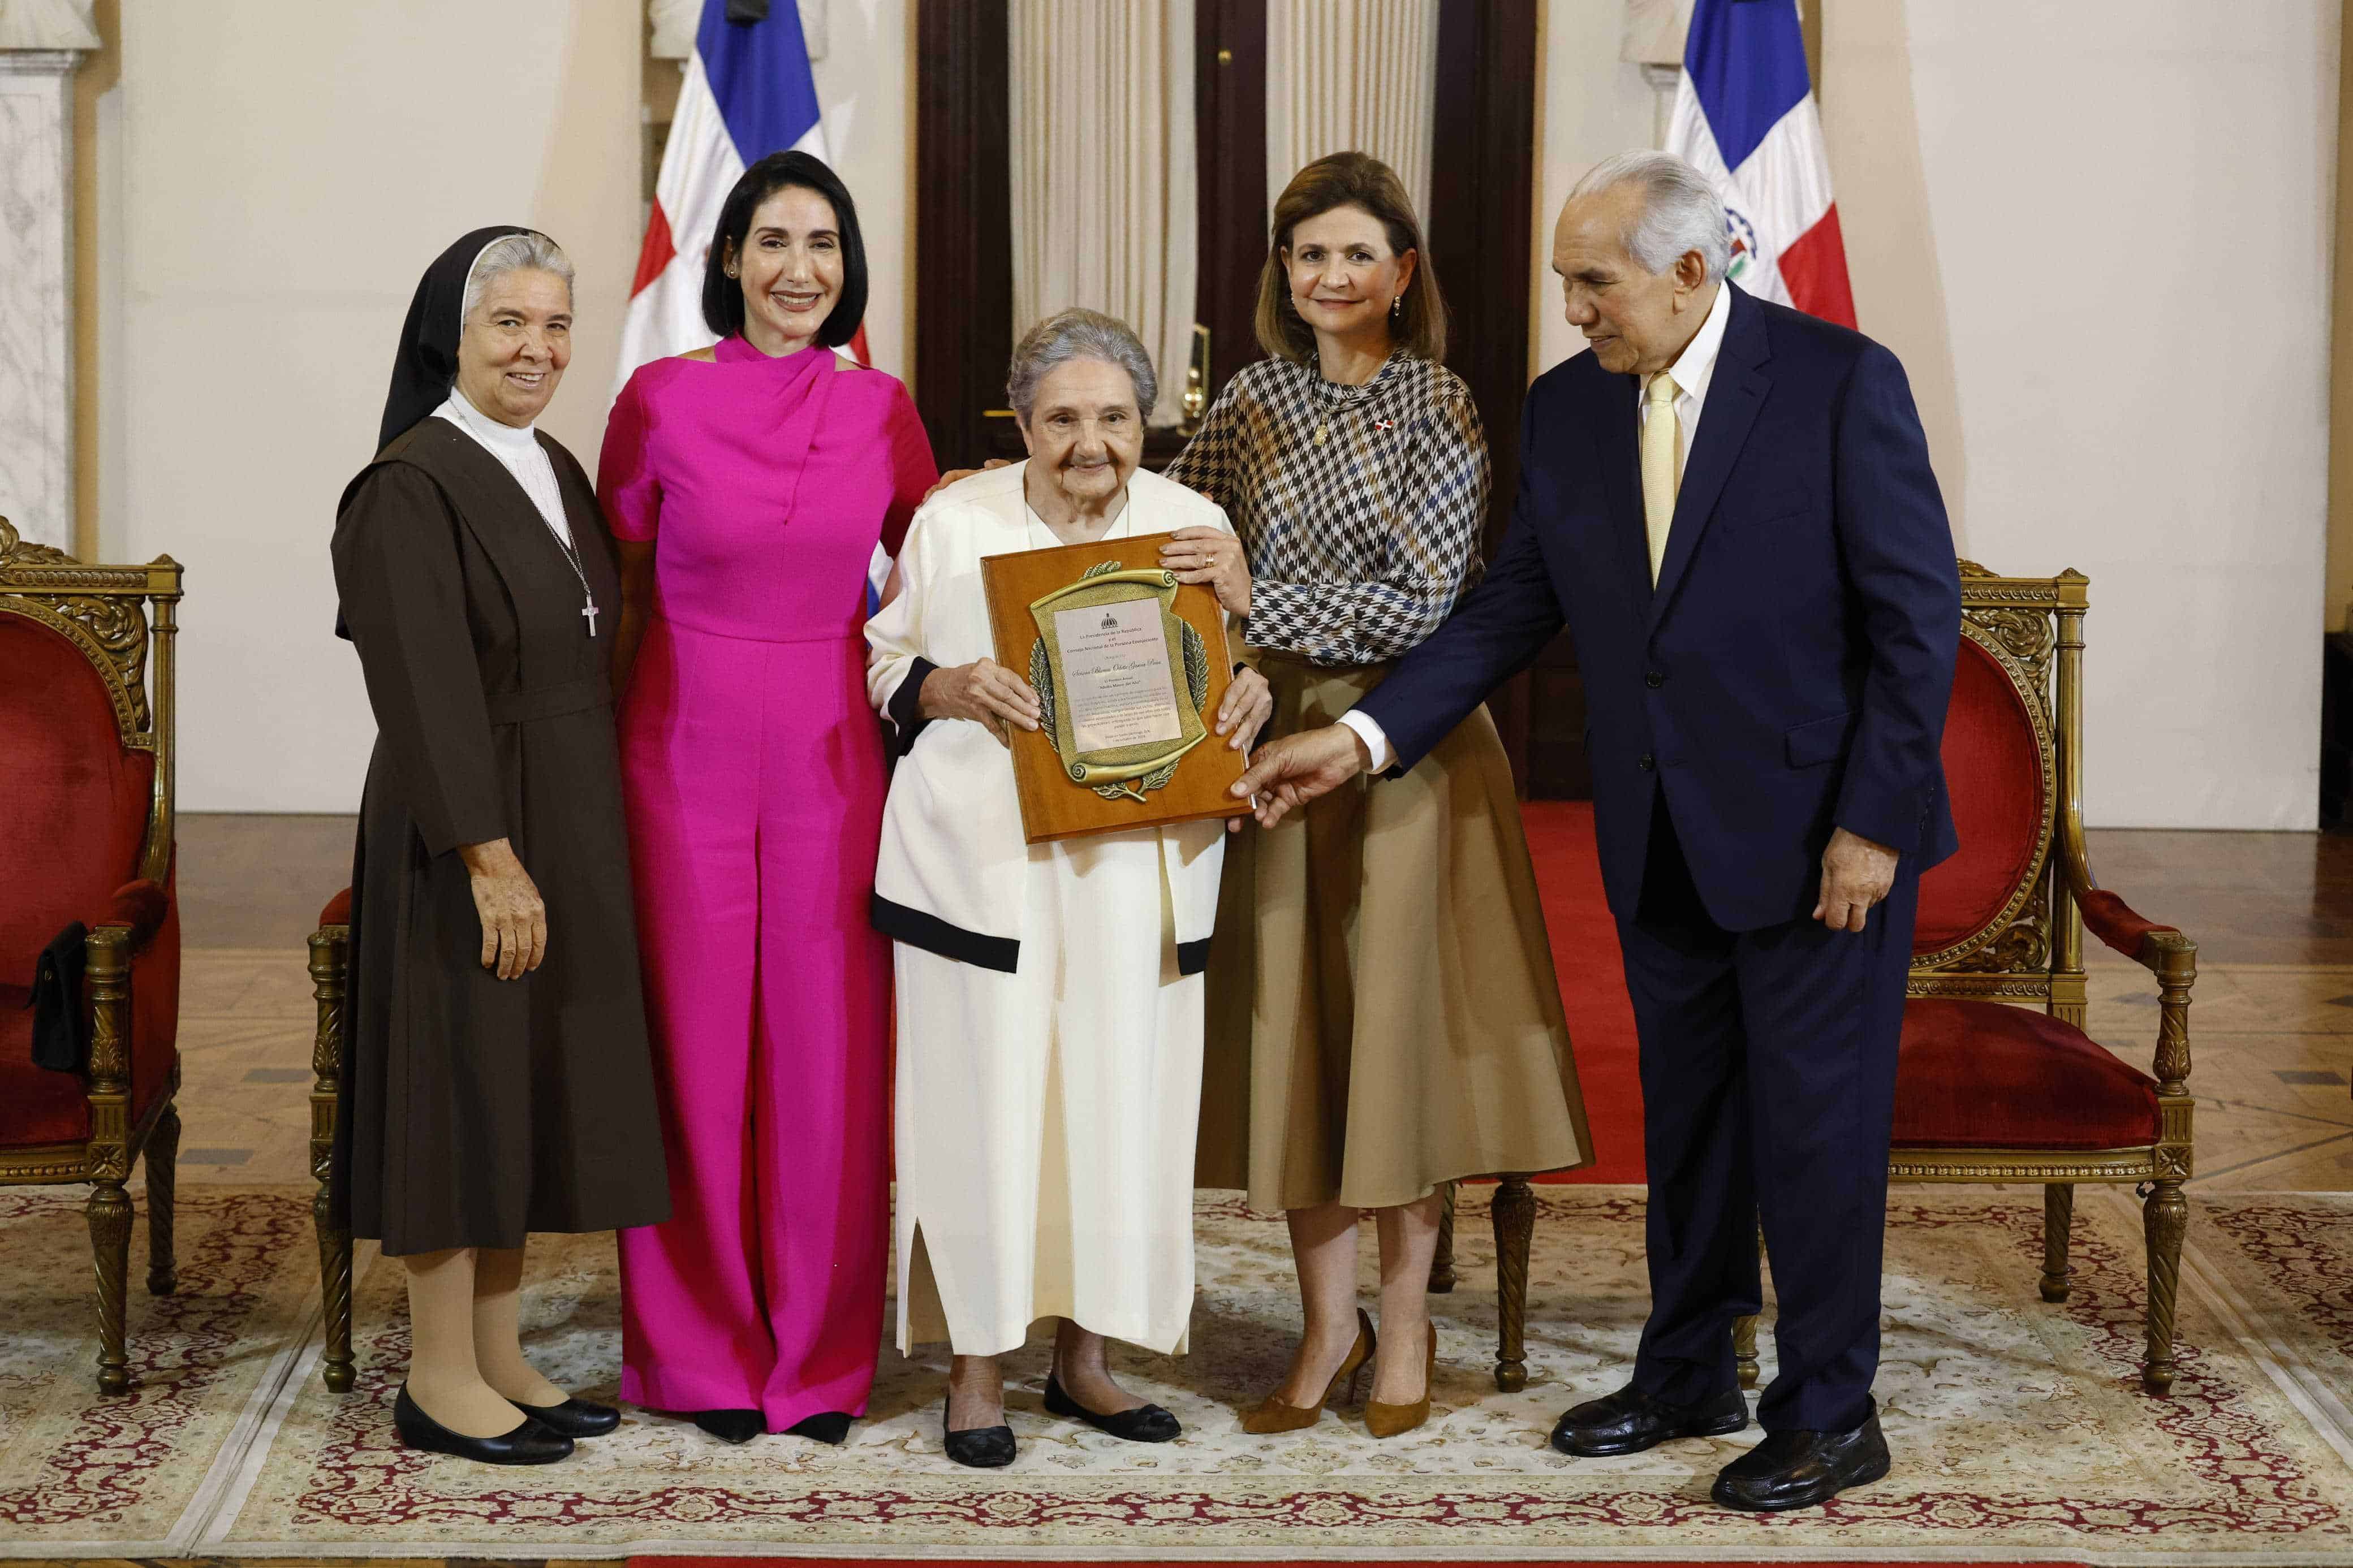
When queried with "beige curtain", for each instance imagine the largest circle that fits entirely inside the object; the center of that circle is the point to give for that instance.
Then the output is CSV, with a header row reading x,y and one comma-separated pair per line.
x,y
1104,179
1351,75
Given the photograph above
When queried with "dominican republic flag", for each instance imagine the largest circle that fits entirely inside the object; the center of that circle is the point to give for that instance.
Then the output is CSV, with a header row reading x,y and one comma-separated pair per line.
x,y
748,92
1745,117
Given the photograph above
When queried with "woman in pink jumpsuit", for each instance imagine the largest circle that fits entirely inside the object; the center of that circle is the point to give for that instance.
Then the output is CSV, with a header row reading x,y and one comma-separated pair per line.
x,y
748,486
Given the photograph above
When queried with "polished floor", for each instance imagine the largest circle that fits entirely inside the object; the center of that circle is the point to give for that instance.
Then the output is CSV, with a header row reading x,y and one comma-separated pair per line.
x,y
2271,1024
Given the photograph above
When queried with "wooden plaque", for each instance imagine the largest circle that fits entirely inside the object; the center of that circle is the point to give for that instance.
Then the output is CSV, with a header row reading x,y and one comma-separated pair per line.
x,y
1075,621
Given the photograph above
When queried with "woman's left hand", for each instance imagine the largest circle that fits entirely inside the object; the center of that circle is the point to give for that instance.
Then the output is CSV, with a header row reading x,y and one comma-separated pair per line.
x,y
1213,556
1248,705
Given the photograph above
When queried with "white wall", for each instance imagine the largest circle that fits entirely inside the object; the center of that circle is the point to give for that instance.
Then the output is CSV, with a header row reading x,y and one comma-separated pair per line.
x,y
2102,230
2098,235
284,171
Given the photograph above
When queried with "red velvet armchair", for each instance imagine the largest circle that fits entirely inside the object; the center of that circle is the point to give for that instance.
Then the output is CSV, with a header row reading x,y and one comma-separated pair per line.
x,y
86,770
1998,1081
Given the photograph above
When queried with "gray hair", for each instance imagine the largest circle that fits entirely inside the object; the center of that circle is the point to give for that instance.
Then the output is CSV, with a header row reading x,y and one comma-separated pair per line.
x,y
1680,211
525,252
1076,334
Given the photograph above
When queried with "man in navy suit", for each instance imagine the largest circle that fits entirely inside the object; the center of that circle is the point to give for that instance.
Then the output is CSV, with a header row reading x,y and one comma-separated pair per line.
x,y
1729,505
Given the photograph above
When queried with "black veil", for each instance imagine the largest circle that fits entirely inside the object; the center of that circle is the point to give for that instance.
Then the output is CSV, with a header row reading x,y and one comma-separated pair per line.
x,y
427,365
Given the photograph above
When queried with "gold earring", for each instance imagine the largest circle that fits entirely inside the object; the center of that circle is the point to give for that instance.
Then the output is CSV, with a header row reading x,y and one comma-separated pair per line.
x,y
1396,306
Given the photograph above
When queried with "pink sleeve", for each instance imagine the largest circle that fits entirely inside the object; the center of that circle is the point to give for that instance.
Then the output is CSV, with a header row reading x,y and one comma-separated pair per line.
x,y
912,471
625,485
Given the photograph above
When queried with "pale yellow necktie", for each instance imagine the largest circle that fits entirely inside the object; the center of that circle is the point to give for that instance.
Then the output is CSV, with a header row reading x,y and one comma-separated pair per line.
x,y
1658,476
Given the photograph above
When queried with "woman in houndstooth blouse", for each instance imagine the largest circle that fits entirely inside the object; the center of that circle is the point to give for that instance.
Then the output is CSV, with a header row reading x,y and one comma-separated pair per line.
x,y
1383,1016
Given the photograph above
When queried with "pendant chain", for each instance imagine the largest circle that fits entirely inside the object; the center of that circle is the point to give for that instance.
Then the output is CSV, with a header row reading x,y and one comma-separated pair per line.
x,y
589,611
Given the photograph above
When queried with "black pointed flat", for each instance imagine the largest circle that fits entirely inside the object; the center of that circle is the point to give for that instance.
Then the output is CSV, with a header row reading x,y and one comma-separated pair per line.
x,y
574,1418
825,1427
1146,1423
982,1447
731,1425
528,1444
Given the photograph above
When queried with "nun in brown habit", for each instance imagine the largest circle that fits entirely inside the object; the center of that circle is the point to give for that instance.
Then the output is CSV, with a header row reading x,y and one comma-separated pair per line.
x,y
496,1073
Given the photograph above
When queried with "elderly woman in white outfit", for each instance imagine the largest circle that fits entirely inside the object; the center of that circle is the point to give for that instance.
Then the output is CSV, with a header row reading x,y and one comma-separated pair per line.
x,y
1050,997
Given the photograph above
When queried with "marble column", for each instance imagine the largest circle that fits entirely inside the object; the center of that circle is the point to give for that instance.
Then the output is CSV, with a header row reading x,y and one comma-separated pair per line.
x,y
41,44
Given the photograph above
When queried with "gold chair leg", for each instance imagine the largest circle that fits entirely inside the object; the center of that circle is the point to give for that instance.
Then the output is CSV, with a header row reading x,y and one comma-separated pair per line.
x,y
329,964
1442,1264
2165,1217
162,1155
109,1213
335,1296
1744,1350
2058,1222
1514,1218
1743,1331
106,981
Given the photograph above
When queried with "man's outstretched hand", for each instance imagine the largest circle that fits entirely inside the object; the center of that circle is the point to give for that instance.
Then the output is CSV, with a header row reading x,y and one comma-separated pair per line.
x,y
1294,770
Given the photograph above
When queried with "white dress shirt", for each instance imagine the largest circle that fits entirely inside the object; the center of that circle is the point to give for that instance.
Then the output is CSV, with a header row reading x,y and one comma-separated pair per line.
x,y
1693,369
519,451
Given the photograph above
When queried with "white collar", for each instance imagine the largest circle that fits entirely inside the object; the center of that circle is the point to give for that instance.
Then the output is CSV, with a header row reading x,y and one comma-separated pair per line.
x,y
1696,366
500,438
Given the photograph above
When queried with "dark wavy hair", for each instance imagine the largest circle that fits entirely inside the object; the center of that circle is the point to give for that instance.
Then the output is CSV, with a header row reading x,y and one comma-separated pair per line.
x,y
722,297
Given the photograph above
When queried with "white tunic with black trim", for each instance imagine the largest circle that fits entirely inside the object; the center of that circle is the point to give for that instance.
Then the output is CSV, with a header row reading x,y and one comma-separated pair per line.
x,y
1049,997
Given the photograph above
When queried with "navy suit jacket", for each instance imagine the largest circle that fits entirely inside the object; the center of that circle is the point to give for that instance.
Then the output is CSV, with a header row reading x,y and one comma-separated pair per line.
x,y
1790,671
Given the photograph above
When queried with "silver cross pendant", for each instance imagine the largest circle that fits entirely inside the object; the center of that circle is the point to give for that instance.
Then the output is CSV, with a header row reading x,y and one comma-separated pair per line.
x,y
589,612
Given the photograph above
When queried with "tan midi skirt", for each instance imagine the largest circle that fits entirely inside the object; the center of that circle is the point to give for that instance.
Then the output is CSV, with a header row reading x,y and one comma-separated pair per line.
x,y
1383,1015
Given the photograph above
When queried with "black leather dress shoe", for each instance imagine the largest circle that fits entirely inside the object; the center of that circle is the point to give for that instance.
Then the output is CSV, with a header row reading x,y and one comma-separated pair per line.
x,y
731,1425
1629,1420
1799,1470
982,1447
1146,1424
574,1418
529,1444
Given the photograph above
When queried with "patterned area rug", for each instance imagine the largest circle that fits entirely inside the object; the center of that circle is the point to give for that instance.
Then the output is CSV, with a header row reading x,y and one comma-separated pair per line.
x,y
81,1476
2019,1431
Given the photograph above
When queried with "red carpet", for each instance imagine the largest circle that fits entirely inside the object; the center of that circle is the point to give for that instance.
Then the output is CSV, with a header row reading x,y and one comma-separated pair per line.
x,y
1142,1562
1592,985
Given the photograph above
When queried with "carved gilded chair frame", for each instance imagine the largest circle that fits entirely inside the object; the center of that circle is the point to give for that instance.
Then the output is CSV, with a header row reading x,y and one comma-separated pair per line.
x,y
2028,952
122,619
2031,952
331,958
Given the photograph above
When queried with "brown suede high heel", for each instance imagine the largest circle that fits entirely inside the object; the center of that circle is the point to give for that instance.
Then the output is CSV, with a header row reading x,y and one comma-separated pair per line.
x,y
1272,1415
1388,1420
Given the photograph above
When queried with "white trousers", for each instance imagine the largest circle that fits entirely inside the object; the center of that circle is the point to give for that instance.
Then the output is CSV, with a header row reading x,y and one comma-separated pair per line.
x,y
1046,1118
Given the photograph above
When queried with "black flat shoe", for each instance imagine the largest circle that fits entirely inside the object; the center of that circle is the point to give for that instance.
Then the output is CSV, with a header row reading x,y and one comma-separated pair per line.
x,y
529,1444
1146,1423
1799,1470
1629,1420
825,1427
731,1425
574,1418
982,1447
